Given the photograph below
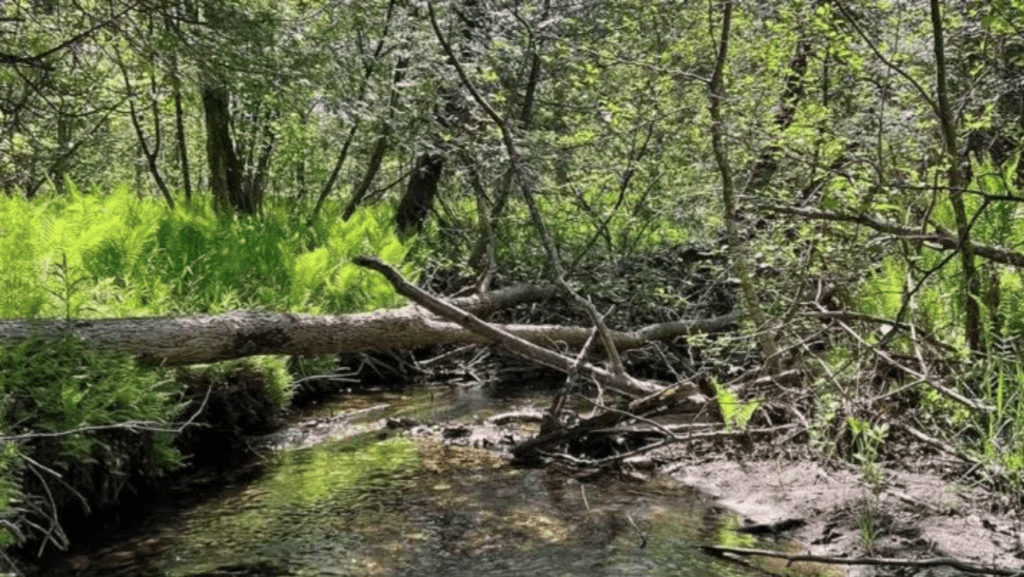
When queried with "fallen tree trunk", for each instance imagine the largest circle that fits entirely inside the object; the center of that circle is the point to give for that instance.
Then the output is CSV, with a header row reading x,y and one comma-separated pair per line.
x,y
211,338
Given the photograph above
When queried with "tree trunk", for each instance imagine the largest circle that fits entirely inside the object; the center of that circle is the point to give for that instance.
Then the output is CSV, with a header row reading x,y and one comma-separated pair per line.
x,y
737,252
225,168
370,68
971,279
151,154
207,339
380,147
420,192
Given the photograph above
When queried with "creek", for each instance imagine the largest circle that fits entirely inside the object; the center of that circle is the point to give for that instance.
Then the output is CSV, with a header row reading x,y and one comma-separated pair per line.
x,y
334,493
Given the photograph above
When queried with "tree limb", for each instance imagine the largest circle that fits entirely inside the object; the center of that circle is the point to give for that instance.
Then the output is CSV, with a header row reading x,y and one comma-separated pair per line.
x,y
938,239
622,383
964,566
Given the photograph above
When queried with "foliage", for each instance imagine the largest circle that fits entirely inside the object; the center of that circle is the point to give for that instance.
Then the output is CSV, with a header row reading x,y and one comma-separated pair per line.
x,y
735,413
266,372
867,441
78,421
850,207
129,257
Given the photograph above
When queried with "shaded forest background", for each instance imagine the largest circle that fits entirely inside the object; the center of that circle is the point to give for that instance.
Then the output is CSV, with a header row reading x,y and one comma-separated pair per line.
x,y
846,174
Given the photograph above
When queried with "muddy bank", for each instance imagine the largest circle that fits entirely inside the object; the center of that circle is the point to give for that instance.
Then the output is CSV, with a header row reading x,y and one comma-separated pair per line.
x,y
808,507
833,512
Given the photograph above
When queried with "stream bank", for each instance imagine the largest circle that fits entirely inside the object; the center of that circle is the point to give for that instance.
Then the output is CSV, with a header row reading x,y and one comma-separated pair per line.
x,y
387,483
404,481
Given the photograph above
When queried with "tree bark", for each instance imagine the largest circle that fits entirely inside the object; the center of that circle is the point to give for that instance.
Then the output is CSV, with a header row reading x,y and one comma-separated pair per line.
x,y
207,339
419,194
225,168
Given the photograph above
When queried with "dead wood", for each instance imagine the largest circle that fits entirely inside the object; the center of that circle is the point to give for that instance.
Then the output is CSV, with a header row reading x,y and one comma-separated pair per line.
x,y
211,338
970,568
653,397
614,380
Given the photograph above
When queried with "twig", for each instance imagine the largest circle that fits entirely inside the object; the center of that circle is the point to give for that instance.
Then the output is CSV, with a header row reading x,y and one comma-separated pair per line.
x,y
938,386
643,538
55,533
944,447
917,563
131,426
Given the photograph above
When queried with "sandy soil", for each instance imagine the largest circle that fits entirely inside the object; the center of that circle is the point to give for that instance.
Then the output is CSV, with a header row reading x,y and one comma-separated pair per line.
x,y
916,516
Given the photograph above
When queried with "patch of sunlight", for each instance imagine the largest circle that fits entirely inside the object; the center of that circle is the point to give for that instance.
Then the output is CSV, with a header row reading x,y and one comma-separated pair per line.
x,y
539,527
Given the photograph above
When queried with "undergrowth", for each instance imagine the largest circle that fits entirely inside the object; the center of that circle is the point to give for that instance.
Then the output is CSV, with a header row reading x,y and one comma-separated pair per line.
x,y
132,257
76,422
77,426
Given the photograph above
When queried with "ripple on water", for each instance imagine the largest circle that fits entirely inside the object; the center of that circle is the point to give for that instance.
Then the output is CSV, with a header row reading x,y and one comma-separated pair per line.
x,y
408,507
415,507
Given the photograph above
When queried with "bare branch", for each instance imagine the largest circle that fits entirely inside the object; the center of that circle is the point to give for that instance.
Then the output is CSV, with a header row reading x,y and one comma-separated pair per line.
x,y
624,384
964,566
936,239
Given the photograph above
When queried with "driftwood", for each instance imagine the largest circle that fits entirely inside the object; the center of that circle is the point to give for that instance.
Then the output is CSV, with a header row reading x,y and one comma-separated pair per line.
x,y
969,568
211,338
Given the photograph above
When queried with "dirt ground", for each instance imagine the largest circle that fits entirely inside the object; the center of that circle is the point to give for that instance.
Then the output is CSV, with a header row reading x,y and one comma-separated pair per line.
x,y
918,515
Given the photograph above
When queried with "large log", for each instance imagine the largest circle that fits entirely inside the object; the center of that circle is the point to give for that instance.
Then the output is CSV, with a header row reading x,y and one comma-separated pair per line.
x,y
210,338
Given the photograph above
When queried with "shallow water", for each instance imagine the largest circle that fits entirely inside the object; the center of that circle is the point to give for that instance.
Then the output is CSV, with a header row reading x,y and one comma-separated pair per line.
x,y
363,505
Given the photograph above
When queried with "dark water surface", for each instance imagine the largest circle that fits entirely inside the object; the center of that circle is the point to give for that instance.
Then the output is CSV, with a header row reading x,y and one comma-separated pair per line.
x,y
401,506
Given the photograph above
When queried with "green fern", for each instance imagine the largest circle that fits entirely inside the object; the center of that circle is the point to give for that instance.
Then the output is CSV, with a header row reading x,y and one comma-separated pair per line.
x,y
735,412
137,258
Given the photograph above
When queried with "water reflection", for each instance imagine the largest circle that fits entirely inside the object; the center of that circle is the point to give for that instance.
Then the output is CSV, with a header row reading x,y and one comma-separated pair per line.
x,y
413,507
402,506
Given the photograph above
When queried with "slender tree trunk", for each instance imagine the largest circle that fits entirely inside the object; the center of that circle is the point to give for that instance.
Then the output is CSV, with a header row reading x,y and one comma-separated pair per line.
x,y
151,154
179,135
181,144
481,248
737,253
259,149
380,146
329,184
64,142
971,278
422,186
768,162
